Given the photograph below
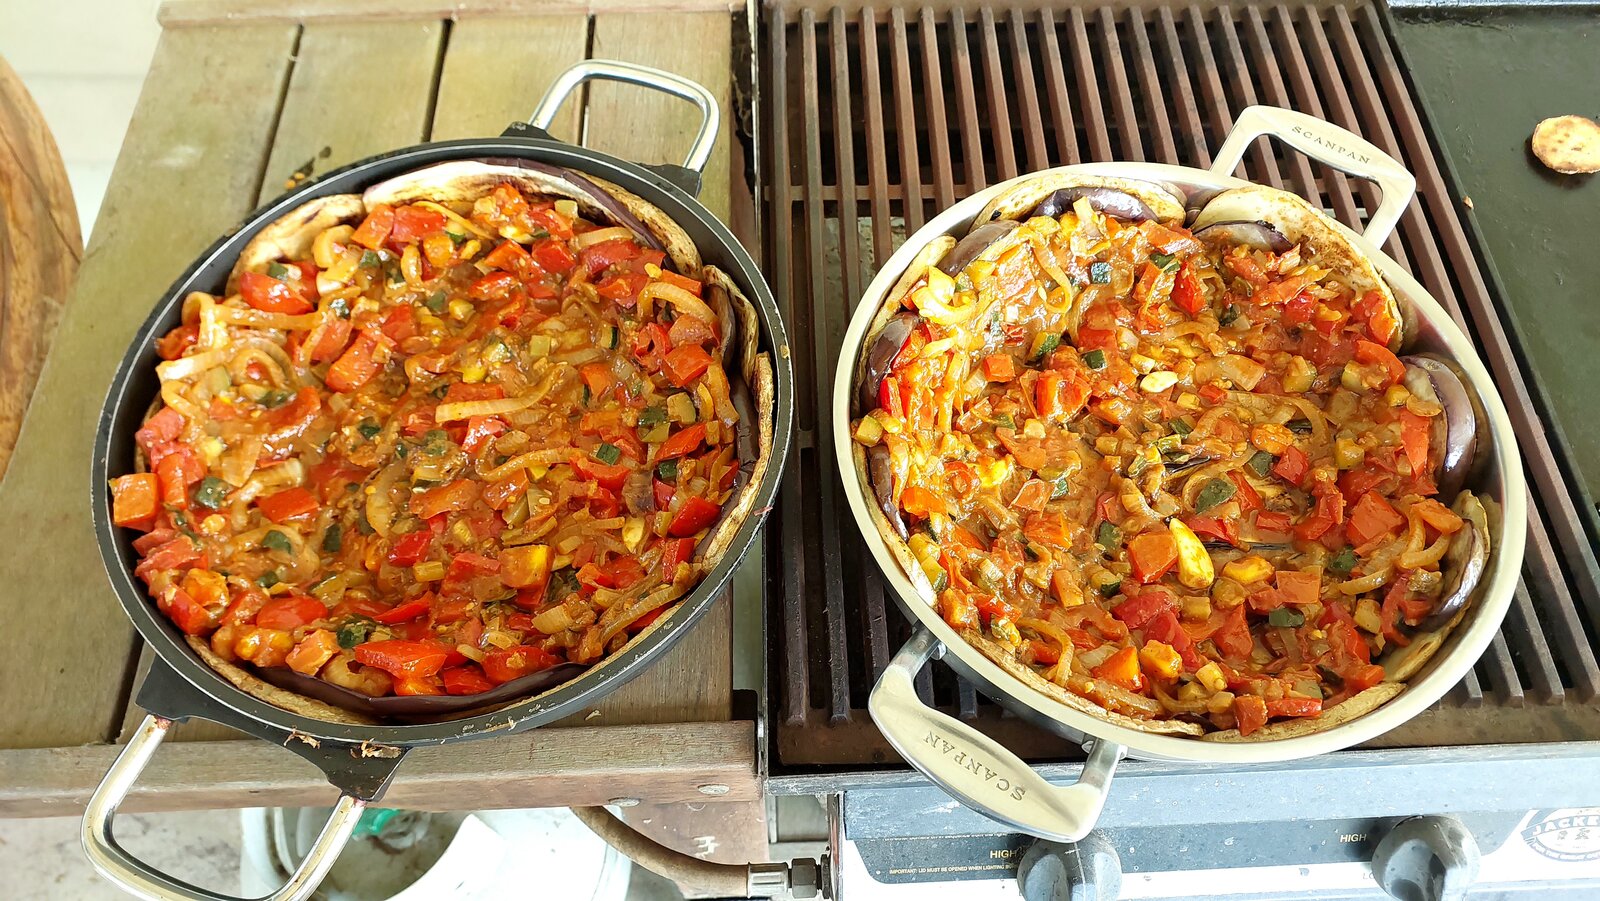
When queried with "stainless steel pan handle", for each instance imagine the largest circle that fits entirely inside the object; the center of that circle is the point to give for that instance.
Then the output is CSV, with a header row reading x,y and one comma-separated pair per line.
x,y
139,879
645,76
1328,143
977,770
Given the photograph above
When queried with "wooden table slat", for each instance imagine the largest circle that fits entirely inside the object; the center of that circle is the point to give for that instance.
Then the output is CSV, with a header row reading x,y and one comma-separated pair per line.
x,y
189,169
496,70
357,89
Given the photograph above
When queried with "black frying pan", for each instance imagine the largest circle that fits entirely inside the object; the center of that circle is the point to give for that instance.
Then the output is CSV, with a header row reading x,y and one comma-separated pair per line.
x,y
360,760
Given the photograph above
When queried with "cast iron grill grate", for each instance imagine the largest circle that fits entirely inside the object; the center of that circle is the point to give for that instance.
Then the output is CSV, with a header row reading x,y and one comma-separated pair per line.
x,y
876,119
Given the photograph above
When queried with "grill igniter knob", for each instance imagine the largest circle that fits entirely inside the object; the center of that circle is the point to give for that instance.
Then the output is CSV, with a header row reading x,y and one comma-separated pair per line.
x,y
1087,870
1432,858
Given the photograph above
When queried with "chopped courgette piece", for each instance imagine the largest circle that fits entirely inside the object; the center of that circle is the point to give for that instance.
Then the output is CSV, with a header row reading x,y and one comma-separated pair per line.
x,y
1044,344
435,442
1166,262
1261,463
610,337
652,414
1228,315
354,632
370,260
1100,273
333,539
276,541
212,493
1110,588
456,238
275,398
1179,427
277,270
667,470
1285,618
1214,492
1108,536
437,301
340,307
1095,359
1060,488
1004,421
268,578
1343,562
1300,426
608,454
369,429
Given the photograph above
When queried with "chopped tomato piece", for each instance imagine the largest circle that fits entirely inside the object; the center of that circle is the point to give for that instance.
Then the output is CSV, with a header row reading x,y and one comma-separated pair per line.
x,y
408,549
133,501
597,258
335,335
624,287
1293,706
687,329
1372,518
1251,712
313,651
1152,555
1370,353
1121,668
375,229
1139,610
999,367
177,469
172,345
1300,587
1414,437
1186,294
1233,636
553,256
1292,465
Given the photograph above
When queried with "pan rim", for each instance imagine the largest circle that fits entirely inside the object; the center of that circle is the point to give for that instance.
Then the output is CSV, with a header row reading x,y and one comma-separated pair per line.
x,y
1503,481
558,701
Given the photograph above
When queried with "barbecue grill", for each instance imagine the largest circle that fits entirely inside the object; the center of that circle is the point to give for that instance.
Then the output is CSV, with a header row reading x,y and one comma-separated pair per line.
x,y
872,119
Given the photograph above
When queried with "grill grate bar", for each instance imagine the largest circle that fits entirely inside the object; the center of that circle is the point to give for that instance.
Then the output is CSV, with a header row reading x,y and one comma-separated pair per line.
x,y
907,109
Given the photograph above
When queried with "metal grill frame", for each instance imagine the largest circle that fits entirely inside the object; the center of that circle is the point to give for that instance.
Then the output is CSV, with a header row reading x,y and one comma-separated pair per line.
x,y
1163,82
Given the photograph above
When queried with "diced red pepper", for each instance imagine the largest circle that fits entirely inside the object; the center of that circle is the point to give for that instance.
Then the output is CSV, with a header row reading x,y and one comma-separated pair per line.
x,y
687,329
607,475
1233,636
1165,628
553,256
288,504
696,514
177,469
467,679
675,551
403,658
624,287
1292,465
597,258
1186,294
356,366
683,441
172,345
1121,668
404,612
1139,610
513,663
685,364
408,549
1293,706
1272,521
1212,394
271,295
290,612
447,498
1221,529
413,223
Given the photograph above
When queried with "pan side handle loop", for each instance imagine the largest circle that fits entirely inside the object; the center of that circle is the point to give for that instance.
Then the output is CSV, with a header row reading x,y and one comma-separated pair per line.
x,y
632,73
977,770
141,880
1327,143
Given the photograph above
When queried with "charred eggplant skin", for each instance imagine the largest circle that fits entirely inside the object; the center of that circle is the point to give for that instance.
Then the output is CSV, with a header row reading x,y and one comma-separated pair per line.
x,y
1257,233
974,244
884,349
1455,453
1106,200
881,472
1465,562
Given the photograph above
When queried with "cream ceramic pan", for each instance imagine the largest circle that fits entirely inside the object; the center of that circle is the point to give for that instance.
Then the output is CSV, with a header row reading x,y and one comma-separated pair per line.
x,y
983,774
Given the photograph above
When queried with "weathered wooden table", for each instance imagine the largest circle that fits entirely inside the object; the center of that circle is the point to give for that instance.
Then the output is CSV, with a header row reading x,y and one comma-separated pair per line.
x,y
242,96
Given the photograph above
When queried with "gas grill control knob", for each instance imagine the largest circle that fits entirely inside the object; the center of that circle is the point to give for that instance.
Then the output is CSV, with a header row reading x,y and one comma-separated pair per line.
x,y
1427,859
1088,870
